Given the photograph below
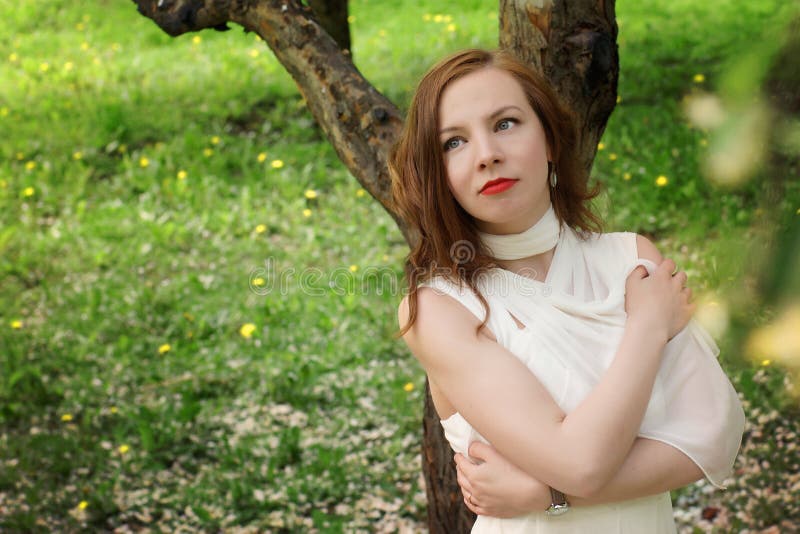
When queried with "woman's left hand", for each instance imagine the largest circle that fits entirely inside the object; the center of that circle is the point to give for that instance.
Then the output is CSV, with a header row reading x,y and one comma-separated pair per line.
x,y
493,486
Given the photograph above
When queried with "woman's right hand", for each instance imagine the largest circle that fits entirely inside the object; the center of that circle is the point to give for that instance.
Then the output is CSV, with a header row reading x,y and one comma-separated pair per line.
x,y
661,301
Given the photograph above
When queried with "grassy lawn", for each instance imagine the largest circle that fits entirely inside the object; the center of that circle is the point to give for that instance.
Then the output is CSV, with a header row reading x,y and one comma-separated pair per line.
x,y
191,333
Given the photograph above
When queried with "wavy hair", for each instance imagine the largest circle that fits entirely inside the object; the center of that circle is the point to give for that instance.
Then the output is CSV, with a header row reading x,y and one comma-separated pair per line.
x,y
448,241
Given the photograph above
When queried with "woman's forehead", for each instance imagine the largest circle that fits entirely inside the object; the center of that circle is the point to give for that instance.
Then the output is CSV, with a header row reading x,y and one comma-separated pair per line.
x,y
479,94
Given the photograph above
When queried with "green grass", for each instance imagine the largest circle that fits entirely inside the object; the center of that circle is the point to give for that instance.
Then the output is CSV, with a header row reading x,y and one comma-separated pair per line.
x,y
157,199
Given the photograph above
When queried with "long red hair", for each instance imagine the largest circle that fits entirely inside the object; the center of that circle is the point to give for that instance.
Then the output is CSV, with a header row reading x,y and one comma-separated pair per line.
x,y
448,241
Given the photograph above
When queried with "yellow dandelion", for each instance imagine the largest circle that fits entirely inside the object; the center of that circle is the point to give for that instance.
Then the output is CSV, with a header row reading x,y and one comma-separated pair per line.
x,y
67,417
409,387
258,282
427,17
661,181
196,40
96,61
188,316
4,111
165,348
703,142
13,57
28,192
182,174
619,99
310,193
353,268
84,46
276,163
30,165
765,363
351,19
306,212
492,15
360,193
20,156
16,324
699,78
626,176
3,184
68,66
601,146
385,257
262,157
80,26
208,152
144,162
247,329
82,505
438,18
451,27
253,52
123,449
115,47
612,157
382,33
215,140
261,228
77,155
44,67
113,409
122,148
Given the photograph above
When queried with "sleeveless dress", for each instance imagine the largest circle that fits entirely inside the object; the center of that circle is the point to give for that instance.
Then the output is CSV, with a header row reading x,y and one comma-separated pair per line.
x,y
573,323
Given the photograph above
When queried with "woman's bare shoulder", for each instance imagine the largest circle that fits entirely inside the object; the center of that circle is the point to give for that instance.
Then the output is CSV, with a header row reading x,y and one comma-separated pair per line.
x,y
647,250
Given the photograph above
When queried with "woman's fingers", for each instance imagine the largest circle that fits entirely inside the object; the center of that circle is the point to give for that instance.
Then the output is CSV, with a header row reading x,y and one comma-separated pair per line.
x,y
681,277
639,272
464,482
667,265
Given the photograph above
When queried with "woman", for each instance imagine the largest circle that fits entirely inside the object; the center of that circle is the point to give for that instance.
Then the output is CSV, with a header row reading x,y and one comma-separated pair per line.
x,y
565,349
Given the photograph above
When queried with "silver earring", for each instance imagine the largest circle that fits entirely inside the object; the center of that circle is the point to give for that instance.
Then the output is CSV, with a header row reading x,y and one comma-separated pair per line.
x,y
553,178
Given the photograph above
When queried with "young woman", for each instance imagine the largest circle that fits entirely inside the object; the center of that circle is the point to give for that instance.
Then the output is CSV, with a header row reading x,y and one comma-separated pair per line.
x,y
566,349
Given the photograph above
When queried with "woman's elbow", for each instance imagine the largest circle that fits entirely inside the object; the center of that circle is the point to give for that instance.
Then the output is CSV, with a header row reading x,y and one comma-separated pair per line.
x,y
586,480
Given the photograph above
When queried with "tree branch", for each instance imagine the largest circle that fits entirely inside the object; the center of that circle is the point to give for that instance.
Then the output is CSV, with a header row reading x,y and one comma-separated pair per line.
x,y
359,122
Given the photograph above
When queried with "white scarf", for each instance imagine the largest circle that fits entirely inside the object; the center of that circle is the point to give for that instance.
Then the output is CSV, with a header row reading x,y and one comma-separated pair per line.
x,y
539,238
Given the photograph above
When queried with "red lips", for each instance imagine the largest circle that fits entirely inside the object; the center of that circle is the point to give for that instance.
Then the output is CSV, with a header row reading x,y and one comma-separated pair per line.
x,y
492,187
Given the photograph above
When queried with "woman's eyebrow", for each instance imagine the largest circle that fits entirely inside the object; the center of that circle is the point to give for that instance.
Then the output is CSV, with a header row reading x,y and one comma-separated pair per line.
x,y
492,115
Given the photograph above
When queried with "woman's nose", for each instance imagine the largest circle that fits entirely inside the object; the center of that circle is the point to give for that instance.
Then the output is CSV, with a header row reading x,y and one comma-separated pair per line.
x,y
489,151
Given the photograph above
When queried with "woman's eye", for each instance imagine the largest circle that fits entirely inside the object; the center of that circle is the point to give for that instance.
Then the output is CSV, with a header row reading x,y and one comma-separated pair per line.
x,y
505,124
452,143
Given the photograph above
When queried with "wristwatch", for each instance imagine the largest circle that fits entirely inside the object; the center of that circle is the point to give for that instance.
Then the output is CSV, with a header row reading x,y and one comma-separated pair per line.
x,y
558,503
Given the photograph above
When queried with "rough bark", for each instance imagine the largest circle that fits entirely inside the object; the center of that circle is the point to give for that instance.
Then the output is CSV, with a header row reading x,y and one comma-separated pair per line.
x,y
572,42
332,16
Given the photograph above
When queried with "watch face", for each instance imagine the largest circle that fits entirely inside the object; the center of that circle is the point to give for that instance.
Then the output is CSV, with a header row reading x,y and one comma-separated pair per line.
x,y
557,509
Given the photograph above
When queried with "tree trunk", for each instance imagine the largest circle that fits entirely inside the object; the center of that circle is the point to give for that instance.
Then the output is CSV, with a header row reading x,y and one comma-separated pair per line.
x,y
575,48
332,16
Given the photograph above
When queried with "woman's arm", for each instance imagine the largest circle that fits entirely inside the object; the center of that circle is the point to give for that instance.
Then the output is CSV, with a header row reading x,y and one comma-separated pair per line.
x,y
497,488
493,390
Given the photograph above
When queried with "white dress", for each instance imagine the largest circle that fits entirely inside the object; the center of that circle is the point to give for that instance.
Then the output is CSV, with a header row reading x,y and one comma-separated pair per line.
x,y
573,323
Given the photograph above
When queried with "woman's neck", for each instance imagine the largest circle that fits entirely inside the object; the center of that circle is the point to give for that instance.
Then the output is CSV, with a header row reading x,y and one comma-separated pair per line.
x,y
535,267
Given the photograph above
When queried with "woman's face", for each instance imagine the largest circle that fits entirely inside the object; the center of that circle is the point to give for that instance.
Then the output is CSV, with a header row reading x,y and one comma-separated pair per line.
x,y
495,151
